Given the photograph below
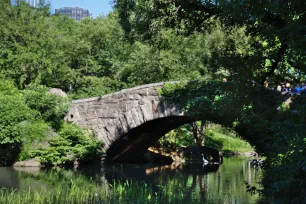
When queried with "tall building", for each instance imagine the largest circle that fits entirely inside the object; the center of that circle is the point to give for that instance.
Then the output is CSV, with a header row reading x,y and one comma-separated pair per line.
x,y
33,3
74,12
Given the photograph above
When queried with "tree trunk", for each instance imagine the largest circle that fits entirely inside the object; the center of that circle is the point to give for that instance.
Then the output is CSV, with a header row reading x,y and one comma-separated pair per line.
x,y
199,133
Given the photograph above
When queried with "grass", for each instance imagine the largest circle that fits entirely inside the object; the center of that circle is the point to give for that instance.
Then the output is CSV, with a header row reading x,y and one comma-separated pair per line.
x,y
119,192
224,140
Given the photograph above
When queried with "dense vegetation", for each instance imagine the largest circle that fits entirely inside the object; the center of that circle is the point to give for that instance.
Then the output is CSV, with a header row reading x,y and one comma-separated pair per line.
x,y
147,41
216,136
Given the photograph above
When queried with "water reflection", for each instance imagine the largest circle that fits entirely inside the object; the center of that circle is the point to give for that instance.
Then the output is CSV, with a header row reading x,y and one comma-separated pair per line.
x,y
208,184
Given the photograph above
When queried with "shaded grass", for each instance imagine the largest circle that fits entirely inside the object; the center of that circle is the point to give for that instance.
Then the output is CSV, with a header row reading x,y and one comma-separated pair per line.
x,y
223,140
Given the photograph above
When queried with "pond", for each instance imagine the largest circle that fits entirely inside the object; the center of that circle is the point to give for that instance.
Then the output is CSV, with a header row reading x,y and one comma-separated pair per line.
x,y
225,183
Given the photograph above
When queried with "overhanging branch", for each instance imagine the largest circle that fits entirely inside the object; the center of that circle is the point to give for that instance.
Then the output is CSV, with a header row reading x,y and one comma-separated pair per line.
x,y
280,56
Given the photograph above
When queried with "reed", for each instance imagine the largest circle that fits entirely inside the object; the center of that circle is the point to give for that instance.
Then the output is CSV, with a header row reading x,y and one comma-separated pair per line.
x,y
118,192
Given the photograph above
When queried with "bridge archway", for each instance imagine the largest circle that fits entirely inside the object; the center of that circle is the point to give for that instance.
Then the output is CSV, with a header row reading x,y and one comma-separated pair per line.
x,y
133,145
129,121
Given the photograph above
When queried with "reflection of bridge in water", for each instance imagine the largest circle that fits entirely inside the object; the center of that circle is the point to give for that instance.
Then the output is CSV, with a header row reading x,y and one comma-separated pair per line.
x,y
211,183
149,172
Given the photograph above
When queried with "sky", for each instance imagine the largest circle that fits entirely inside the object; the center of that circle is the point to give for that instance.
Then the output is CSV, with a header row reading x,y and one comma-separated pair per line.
x,y
95,7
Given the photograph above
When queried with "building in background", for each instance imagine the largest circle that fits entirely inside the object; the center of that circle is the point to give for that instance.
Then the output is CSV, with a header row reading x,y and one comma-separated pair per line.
x,y
74,12
33,3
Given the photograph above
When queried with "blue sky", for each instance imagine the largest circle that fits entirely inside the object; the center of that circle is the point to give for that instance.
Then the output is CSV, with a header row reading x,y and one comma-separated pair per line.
x,y
95,7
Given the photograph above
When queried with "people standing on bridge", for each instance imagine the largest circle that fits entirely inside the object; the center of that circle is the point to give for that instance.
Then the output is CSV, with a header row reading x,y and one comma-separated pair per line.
x,y
284,89
266,84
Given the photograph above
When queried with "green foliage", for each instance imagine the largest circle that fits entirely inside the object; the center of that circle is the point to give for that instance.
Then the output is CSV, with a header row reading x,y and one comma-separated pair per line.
x,y
174,56
177,138
94,86
71,144
18,124
51,107
253,113
13,112
34,133
216,138
163,41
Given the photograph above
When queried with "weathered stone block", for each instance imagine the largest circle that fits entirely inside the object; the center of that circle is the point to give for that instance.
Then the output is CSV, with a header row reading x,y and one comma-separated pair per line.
x,y
152,92
91,114
135,117
130,121
111,132
141,102
142,92
129,105
150,98
123,123
140,115
107,114
147,111
95,122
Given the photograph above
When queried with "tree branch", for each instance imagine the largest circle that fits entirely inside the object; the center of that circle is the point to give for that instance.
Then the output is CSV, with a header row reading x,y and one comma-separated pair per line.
x,y
280,56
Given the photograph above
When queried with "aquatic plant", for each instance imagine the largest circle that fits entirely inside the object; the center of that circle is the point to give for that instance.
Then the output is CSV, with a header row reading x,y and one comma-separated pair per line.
x,y
118,192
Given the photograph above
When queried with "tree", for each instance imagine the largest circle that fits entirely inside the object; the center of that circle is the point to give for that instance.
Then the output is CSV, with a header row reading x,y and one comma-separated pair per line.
x,y
276,29
198,132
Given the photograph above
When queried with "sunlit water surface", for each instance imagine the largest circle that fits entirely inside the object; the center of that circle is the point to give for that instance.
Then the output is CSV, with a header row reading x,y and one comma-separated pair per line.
x,y
225,183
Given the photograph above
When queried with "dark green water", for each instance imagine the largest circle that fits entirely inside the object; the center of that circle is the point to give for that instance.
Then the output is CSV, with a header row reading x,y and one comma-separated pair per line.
x,y
218,184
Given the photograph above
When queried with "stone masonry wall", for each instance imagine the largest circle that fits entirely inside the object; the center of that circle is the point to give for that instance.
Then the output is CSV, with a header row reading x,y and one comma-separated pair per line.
x,y
113,115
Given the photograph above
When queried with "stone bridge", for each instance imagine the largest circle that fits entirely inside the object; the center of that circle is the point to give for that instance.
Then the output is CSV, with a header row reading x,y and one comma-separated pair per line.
x,y
128,121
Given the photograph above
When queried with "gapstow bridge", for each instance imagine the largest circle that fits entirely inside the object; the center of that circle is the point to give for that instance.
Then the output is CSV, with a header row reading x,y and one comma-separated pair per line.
x,y
129,121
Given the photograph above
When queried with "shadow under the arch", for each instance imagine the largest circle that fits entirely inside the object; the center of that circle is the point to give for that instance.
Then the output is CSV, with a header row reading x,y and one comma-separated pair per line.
x,y
131,147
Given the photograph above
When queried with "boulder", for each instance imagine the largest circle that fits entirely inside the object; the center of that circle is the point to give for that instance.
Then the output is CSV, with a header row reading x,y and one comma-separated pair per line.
x,y
28,163
58,92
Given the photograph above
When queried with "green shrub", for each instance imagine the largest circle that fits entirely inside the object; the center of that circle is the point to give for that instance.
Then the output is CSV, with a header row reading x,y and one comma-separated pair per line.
x,y
51,107
72,143
13,111
19,127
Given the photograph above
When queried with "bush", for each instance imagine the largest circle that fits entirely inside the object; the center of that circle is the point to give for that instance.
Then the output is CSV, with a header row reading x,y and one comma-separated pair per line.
x,y
51,107
35,132
72,144
18,125
13,111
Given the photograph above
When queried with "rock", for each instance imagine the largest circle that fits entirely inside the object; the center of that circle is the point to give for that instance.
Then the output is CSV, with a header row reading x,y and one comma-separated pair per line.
x,y
58,92
28,163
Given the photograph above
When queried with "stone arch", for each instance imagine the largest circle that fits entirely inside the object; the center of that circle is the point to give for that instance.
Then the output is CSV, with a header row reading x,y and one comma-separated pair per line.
x,y
128,121
131,120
